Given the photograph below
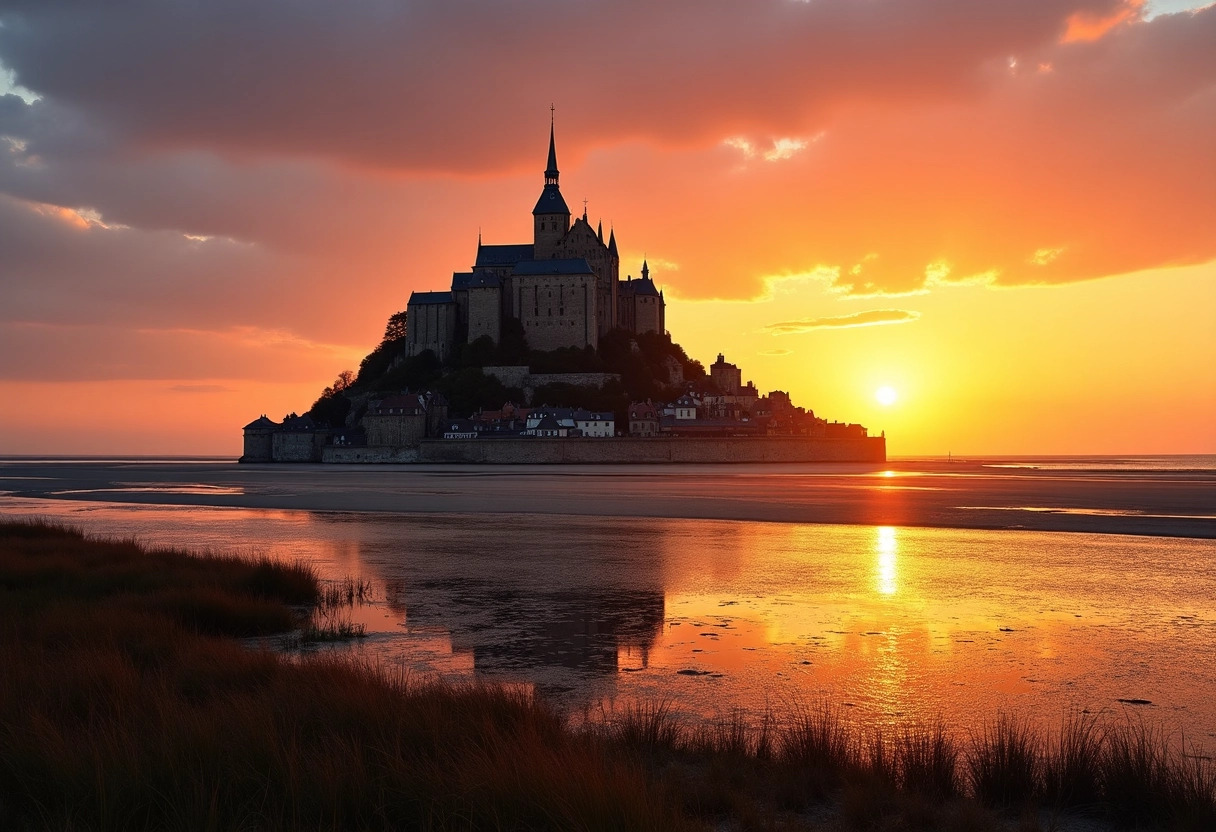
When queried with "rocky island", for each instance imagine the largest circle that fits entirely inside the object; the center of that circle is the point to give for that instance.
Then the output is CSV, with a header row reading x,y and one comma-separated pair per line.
x,y
541,353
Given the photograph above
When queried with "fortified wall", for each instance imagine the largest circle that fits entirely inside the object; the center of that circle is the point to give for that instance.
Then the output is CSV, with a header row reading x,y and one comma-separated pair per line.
x,y
653,450
520,376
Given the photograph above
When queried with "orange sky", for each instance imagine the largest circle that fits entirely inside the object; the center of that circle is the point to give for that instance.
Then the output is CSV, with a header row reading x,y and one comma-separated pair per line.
x,y
1002,210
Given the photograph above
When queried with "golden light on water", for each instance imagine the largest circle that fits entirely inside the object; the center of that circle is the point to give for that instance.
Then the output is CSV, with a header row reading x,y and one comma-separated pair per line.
x,y
887,547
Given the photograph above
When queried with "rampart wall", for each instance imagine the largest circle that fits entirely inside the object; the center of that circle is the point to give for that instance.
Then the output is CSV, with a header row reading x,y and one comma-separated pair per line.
x,y
298,446
519,376
653,450
339,455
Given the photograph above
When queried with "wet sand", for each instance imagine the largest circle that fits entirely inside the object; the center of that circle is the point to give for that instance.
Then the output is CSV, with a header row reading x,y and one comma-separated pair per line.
x,y
959,495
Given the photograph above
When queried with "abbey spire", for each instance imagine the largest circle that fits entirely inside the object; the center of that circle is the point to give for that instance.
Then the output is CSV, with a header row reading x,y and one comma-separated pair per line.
x,y
551,216
551,172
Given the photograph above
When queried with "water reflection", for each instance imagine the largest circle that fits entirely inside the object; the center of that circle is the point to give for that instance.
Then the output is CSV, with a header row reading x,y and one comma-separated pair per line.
x,y
899,622
886,547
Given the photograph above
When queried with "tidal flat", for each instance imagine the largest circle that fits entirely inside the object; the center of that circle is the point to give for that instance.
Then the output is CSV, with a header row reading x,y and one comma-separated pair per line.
x,y
718,588
151,715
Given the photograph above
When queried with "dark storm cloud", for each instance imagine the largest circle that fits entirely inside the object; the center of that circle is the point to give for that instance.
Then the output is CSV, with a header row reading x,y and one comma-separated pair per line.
x,y
432,84
307,137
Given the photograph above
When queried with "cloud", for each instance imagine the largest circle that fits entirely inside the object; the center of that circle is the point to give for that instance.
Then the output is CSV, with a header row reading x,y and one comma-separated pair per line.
x,y
303,146
775,353
874,317
783,148
374,84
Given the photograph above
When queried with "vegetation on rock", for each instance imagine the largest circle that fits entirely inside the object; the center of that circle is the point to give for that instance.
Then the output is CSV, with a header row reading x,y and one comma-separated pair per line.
x,y
650,366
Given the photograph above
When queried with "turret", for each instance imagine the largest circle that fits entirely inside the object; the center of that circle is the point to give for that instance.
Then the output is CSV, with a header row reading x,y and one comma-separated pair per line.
x,y
551,216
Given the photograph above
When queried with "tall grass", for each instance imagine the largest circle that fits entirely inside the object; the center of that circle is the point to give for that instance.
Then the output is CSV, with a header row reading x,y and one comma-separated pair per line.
x,y
127,703
1004,762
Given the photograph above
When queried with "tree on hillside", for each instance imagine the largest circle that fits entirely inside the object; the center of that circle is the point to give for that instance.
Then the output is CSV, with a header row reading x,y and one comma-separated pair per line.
x,y
344,380
331,408
396,328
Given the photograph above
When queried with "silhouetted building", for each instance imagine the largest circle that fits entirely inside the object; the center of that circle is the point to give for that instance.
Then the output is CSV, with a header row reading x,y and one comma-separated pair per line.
x,y
563,288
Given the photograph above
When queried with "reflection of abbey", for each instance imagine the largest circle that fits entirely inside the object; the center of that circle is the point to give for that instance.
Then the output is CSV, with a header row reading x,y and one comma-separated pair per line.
x,y
564,287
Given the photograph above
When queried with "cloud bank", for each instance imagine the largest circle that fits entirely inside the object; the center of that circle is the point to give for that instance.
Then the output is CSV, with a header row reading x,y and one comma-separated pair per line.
x,y
212,166
874,317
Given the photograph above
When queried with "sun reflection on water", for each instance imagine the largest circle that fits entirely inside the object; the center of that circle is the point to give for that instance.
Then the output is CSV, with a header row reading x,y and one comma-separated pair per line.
x,y
887,547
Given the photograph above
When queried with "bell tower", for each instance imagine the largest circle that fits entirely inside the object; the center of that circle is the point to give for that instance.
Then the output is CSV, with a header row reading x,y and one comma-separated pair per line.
x,y
551,216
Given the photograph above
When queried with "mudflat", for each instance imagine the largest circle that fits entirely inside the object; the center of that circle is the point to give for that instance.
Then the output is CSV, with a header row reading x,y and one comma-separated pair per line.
x,y
958,495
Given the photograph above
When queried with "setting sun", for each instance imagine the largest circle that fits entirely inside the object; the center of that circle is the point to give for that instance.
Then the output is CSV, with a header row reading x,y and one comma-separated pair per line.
x,y
886,396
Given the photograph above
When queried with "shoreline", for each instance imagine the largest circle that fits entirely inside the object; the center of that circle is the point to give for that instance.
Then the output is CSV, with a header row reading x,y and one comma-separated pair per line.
x,y
899,493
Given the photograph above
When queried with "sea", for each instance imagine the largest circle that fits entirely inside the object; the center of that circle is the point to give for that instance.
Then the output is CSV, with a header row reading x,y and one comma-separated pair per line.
x,y
1085,584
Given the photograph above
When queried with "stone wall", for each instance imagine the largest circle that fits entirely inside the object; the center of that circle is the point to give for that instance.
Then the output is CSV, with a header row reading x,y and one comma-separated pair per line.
x,y
557,310
346,456
431,326
259,446
519,376
301,446
510,376
648,314
659,449
583,242
485,313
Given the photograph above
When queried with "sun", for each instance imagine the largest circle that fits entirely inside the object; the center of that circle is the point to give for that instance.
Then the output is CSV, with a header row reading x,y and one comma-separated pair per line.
x,y
886,396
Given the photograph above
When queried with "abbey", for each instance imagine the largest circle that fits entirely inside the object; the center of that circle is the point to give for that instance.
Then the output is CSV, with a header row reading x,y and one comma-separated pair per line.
x,y
563,288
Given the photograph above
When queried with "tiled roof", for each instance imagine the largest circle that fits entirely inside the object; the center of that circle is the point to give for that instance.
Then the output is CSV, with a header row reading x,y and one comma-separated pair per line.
x,y
484,280
639,286
427,298
574,265
263,423
503,255
299,423
551,202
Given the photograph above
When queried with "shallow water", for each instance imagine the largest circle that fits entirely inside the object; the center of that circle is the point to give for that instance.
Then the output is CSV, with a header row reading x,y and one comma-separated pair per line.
x,y
898,623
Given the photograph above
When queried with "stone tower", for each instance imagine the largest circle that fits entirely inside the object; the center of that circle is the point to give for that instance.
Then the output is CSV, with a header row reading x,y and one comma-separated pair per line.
x,y
550,217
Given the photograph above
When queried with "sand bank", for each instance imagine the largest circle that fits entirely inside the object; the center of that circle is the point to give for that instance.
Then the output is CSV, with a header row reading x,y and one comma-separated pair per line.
x,y
1178,504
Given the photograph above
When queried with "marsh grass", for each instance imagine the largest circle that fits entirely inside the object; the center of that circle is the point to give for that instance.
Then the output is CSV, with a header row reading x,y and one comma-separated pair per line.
x,y
346,592
127,702
926,760
1003,762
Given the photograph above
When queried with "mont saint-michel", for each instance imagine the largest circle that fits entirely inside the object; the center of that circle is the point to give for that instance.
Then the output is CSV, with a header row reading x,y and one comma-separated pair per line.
x,y
542,353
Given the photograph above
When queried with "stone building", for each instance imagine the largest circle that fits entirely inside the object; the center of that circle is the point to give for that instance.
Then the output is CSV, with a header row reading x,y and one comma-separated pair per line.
x,y
402,421
298,439
564,287
640,306
431,323
259,440
643,419
726,377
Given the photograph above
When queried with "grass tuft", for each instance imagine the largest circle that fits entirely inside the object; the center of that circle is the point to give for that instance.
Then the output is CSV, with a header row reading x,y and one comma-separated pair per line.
x,y
1004,762
1072,764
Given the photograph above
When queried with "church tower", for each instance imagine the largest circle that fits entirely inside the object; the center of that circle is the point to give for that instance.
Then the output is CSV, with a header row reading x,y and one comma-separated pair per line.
x,y
550,217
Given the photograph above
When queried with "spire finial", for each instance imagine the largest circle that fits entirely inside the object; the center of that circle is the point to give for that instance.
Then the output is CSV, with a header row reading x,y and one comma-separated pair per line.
x,y
551,169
